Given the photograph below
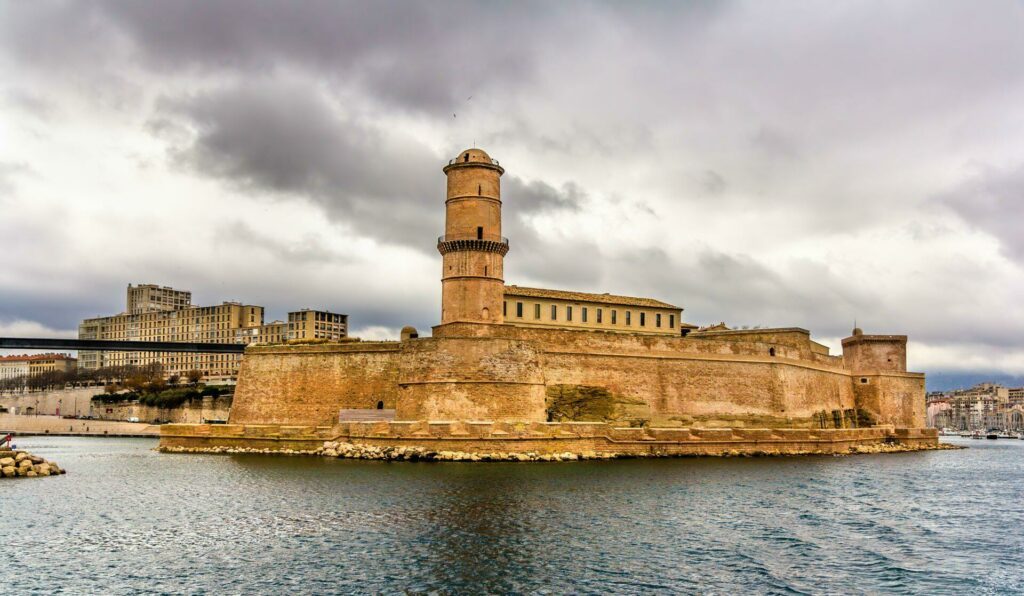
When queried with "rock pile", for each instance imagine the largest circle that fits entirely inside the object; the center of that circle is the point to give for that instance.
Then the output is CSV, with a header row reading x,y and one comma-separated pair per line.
x,y
352,451
14,462
341,449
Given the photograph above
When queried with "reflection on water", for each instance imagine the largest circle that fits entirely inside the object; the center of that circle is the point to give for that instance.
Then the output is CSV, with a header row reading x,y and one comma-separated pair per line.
x,y
126,518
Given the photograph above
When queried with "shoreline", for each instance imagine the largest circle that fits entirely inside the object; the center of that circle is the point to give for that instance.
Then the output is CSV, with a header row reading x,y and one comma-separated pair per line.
x,y
332,450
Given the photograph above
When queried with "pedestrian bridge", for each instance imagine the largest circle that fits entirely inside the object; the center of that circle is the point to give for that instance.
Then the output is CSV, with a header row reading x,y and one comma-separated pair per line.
x,y
104,345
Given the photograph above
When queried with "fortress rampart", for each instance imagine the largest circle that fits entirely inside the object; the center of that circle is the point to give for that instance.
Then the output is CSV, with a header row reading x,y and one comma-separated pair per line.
x,y
504,373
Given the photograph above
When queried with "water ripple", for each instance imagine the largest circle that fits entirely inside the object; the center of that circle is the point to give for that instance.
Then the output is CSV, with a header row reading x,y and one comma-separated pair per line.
x,y
128,520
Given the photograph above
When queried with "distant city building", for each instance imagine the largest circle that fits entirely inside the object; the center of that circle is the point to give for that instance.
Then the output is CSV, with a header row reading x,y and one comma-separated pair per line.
x,y
317,324
275,332
153,298
982,407
160,313
12,367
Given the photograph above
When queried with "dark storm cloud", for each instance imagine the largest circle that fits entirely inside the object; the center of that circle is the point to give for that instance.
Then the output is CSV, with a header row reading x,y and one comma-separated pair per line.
x,y
420,56
993,202
290,140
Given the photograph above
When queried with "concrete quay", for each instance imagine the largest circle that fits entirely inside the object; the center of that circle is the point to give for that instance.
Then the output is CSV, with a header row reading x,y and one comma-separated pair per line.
x,y
57,426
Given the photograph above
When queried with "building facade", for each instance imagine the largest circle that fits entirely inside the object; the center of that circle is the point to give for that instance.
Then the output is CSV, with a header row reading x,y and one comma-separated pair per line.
x,y
534,307
145,298
309,324
12,367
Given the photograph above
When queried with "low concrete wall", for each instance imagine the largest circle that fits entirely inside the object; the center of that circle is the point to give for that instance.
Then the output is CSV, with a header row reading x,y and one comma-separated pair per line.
x,y
54,425
571,437
70,402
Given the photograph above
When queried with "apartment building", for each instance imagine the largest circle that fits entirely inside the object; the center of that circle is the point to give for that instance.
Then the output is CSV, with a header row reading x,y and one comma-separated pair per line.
x,y
161,313
35,364
317,324
153,298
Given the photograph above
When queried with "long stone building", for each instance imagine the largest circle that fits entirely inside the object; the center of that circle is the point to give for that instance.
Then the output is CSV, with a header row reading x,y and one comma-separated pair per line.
x,y
509,363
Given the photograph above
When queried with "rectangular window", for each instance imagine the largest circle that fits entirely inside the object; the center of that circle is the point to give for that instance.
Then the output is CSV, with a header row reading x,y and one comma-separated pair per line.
x,y
599,315
519,310
554,312
643,319
536,311
629,317
614,316
568,313
584,317
504,309
671,321
657,320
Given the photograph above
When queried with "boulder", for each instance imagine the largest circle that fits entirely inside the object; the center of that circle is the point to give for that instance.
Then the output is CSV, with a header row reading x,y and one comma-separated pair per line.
x,y
41,469
31,474
25,463
21,456
7,461
8,471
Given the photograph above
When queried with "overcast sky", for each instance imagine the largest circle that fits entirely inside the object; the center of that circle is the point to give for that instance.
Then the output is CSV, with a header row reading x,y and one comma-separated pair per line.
x,y
758,163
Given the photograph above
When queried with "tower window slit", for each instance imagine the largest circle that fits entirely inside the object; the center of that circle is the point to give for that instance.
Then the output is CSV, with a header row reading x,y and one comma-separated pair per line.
x,y
479,233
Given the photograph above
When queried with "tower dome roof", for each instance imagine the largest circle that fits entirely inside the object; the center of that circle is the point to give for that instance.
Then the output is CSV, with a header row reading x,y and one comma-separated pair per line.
x,y
474,157
474,154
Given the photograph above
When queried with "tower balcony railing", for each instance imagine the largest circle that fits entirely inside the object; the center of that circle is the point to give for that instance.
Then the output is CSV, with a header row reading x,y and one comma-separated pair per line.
x,y
486,237
486,243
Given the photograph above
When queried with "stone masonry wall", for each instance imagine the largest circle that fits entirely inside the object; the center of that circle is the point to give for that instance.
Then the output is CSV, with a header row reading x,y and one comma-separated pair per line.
x,y
308,384
196,411
470,371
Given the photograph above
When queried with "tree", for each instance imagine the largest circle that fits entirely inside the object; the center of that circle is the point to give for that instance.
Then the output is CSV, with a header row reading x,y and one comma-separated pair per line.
x,y
194,376
173,380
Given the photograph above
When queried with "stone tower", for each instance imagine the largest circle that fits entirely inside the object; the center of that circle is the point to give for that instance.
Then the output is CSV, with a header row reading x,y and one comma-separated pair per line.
x,y
472,248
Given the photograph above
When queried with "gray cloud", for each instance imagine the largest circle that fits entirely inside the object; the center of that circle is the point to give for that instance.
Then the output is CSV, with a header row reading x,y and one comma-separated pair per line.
x,y
291,141
993,201
752,164
9,171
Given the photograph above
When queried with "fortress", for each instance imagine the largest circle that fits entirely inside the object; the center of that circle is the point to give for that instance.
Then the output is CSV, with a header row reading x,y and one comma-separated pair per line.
x,y
513,369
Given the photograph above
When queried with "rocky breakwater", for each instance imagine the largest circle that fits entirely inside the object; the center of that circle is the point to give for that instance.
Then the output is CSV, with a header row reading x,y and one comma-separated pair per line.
x,y
389,453
16,463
